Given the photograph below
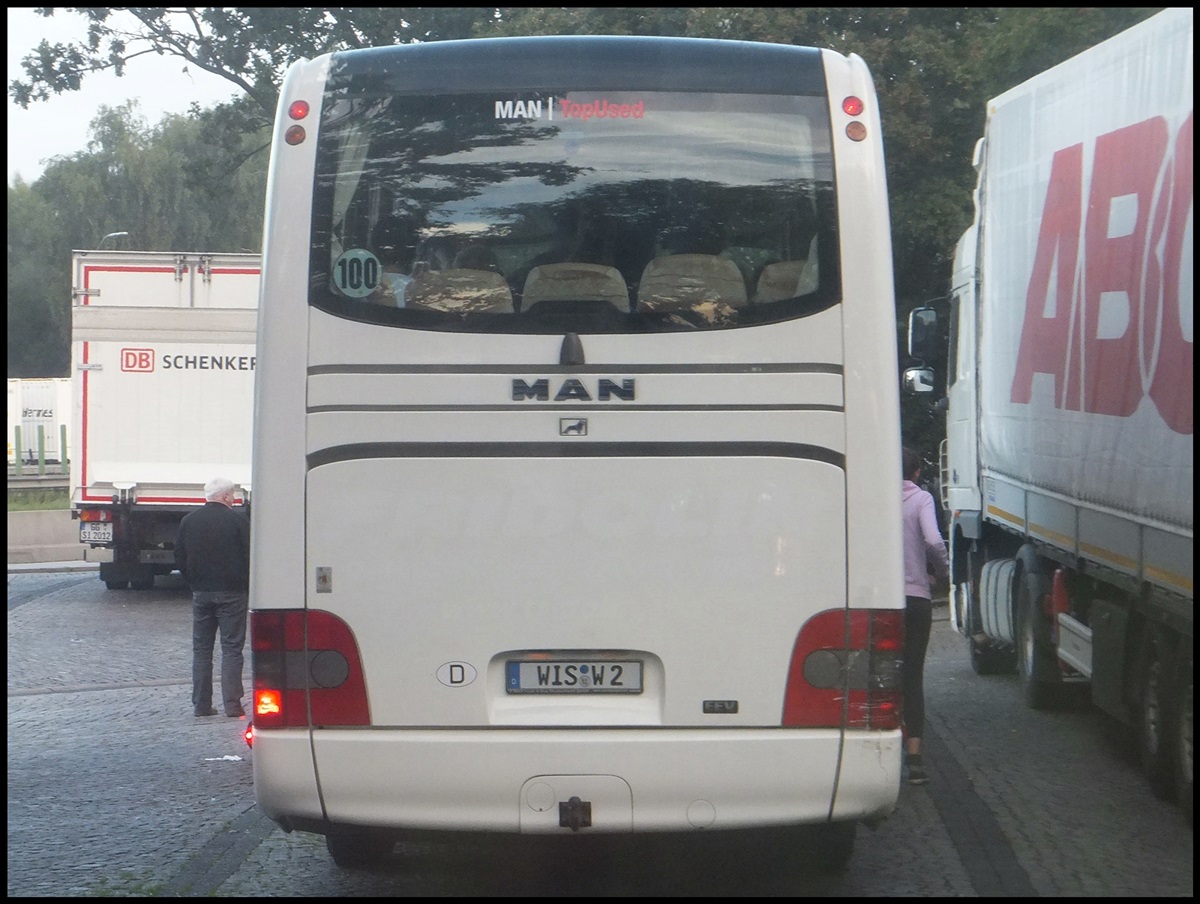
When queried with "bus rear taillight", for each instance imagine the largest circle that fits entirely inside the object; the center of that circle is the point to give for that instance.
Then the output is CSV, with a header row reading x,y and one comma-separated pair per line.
x,y
307,670
845,671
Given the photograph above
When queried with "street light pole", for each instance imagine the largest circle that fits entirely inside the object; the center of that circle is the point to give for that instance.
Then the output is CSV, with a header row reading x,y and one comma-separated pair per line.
x,y
111,235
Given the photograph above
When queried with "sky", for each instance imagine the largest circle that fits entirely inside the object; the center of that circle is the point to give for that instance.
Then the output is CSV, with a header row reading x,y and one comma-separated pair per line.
x,y
59,126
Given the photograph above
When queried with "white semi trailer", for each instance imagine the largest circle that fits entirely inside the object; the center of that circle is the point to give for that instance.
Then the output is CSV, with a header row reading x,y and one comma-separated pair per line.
x,y
1067,465
163,358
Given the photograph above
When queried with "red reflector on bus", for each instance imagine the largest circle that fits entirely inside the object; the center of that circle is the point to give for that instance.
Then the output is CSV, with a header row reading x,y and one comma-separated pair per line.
x,y
294,135
845,671
307,670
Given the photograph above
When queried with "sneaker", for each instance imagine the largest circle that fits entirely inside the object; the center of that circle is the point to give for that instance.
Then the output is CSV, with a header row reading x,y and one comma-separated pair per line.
x,y
205,712
916,771
236,713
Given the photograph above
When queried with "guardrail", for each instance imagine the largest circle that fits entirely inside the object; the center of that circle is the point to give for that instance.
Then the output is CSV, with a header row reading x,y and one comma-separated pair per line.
x,y
38,481
38,460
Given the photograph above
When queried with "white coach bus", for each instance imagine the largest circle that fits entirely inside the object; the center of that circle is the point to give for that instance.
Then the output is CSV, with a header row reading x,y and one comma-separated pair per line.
x,y
576,461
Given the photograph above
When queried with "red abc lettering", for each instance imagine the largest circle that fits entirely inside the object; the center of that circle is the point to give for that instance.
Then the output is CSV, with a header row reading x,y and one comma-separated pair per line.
x,y
1119,326
1174,366
1045,340
1126,164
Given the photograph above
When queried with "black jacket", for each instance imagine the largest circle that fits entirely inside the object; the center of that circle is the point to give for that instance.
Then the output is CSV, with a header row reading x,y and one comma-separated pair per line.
x,y
212,549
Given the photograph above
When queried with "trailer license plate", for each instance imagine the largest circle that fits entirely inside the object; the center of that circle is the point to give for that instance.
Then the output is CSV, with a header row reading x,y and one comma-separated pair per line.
x,y
573,676
95,532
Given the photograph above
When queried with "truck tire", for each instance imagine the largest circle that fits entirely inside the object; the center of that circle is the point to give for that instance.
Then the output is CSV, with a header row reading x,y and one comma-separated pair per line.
x,y
991,660
959,597
976,556
1037,663
115,575
355,847
1183,732
1156,716
142,578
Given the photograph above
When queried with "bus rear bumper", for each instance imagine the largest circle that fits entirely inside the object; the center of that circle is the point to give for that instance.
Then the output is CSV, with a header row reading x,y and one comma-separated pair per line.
x,y
625,780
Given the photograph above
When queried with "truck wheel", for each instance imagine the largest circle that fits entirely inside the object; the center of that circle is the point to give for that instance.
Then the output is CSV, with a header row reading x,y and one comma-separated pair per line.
x,y
971,622
142,578
354,847
1036,662
1155,723
959,605
989,660
1183,733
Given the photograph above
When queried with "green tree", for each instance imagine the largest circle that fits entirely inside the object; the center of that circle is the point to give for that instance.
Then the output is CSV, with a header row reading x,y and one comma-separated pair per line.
x,y
248,46
183,185
191,183
38,331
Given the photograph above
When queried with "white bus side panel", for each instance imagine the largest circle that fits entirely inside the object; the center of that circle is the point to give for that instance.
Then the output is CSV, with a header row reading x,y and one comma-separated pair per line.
x,y
1085,380
705,567
675,780
868,347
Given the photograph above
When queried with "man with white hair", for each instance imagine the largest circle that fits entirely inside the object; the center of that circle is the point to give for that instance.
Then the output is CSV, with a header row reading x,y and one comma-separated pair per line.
x,y
212,550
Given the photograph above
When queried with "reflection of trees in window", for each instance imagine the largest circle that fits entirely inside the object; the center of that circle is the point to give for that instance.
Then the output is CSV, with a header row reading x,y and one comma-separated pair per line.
x,y
454,171
632,221
413,142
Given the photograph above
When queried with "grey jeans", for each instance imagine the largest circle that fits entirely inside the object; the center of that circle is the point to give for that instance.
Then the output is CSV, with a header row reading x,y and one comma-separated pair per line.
x,y
212,611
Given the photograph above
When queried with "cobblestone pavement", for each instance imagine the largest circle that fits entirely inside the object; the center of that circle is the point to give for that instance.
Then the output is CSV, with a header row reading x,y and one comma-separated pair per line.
x,y
112,782
116,789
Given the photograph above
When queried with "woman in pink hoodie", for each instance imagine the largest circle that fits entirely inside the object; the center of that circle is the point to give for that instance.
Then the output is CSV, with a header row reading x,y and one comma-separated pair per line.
x,y
924,549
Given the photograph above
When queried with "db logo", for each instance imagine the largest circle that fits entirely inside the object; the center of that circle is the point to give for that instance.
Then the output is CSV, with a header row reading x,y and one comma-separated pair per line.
x,y
137,359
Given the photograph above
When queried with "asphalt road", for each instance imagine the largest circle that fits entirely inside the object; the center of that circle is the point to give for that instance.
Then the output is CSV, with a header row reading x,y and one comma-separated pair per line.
x,y
116,789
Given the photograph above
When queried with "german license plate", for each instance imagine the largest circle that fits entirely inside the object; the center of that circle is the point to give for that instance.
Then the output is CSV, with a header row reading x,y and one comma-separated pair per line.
x,y
573,676
95,532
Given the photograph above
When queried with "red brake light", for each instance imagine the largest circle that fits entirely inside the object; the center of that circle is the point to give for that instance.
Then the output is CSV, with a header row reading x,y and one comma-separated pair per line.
x,y
298,109
307,670
845,671
268,703
853,106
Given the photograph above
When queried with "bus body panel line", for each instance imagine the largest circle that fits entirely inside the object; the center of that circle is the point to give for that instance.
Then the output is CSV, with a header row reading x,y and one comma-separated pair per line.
x,y
576,450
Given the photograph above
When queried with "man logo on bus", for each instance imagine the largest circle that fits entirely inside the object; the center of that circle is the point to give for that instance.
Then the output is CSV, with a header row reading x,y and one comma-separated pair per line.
x,y
137,360
600,108
573,390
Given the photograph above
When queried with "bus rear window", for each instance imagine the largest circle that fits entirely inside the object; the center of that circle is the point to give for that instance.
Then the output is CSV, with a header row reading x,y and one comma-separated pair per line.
x,y
573,211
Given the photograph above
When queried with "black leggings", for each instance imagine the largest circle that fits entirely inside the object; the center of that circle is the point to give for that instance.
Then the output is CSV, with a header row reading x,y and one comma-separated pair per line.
x,y
918,619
